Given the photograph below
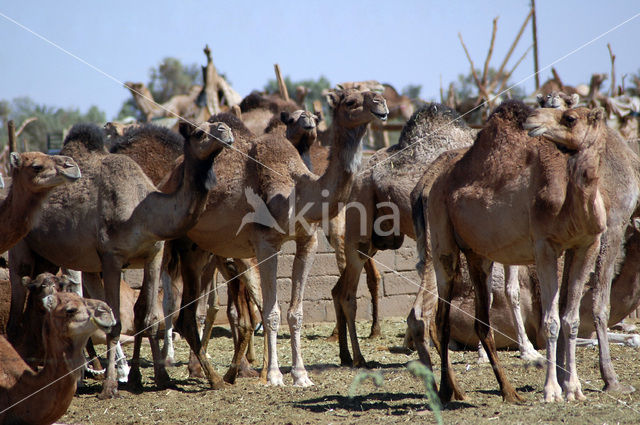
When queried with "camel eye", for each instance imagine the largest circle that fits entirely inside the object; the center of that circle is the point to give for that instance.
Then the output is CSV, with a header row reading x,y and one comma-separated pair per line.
x,y
37,168
570,119
70,311
350,102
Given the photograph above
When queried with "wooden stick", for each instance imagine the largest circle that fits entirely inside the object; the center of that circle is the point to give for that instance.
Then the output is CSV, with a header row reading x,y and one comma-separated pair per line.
x,y
535,44
24,124
11,128
210,74
556,77
485,70
514,44
441,90
481,89
506,77
613,71
281,85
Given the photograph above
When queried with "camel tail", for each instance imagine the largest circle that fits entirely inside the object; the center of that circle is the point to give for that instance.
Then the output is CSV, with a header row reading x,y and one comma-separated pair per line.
x,y
417,215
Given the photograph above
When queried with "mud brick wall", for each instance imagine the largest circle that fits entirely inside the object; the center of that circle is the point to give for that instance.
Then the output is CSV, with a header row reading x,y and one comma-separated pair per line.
x,y
396,294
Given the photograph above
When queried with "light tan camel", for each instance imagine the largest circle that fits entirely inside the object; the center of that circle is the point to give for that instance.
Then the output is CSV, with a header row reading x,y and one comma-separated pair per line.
x,y
118,219
277,199
33,176
548,201
379,214
182,105
258,109
27,396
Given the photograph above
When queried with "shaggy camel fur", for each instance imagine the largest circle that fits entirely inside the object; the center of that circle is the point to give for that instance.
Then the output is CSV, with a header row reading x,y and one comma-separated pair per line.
x,y
33,176
382,192
258,110
293,199
549,197
27,396
118,219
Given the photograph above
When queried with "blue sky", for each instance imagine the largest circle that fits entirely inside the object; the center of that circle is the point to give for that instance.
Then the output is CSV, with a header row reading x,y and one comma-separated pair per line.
x,y
400,42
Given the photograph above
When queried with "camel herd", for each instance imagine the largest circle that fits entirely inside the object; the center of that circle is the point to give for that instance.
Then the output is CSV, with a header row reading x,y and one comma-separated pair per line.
x,y
550,193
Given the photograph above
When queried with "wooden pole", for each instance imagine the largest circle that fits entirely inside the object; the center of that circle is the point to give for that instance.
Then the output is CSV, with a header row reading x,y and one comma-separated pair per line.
x,y
485,70
510,52
613,71
11,127
535,44
281,85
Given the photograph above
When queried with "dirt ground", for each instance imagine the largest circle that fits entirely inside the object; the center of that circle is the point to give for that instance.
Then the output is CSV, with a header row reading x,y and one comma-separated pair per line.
x,y
400,399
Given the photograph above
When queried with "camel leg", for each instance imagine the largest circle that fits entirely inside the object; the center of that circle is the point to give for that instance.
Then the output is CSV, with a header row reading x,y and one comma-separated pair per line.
x,y
344,301
111,270
480,272
336,240
581,266
373,283
547,269
192,262
610,246
302,262
512,292
421,315
169,309
209,275
238,314
268,260
22,262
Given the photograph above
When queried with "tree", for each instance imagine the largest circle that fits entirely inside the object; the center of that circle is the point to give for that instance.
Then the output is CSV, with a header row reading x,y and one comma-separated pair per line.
x,y
50,119
171,78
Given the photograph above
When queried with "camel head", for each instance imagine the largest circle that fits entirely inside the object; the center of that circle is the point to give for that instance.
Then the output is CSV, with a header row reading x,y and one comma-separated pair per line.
x,y
353,108
74,318
45,284
575,128
299,123
39,172
207,139
557,99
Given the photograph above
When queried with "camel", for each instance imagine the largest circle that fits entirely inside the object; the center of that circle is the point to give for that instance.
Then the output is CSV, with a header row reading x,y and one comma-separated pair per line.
x,y
258,109
27,396
382,191
33,176
118,219
157,150
548,191
295,198
558,99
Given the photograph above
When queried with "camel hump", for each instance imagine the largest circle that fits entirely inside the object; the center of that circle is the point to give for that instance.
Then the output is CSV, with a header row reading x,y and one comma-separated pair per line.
x,y
237,126
89,135
427,119
513,111
149,134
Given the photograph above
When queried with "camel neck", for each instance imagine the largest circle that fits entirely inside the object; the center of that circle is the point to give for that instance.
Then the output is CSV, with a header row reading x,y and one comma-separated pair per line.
x,y
17,213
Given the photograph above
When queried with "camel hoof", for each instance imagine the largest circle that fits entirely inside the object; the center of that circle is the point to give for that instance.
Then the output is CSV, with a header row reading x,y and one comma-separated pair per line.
x,y
162,380
302,381
248,373
346,361
375,333
196,373
332,338
619,388
513,397
218,384
135,379
231,375
361,363
109,390
274,378
534,358
169,362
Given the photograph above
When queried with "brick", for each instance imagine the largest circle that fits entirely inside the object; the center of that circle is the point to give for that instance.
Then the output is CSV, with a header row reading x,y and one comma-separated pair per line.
x,y
288,247
401,283
319,288
396,305
406,259
285,265
324,265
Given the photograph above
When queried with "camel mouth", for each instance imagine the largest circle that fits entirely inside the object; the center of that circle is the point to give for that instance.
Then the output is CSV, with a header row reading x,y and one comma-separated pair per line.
x,y
227,139
382,116
534,129
72,174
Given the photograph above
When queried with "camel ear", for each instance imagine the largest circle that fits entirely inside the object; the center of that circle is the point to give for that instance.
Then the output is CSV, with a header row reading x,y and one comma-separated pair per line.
x,y
315,118
284,116
15,160
575,99
49,303
596,114
27,282
333,98
185,128
64,283
636,223
540,99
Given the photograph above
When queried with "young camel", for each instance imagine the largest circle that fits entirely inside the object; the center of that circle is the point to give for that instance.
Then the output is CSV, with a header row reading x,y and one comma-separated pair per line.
x,y
113,218
273,172
383,191
33,176
549,197
27,396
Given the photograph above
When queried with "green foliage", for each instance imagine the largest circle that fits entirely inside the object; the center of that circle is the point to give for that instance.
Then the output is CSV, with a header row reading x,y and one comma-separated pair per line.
x,y
49,119
171,78
376,377
315,88
465,87
412,91
130,109
425,374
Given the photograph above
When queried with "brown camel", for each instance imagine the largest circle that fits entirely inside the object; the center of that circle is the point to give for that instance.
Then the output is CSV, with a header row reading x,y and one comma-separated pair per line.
x,y
33,176
27,396
157,150
118,219
277,199
258,110
382,192
547,191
